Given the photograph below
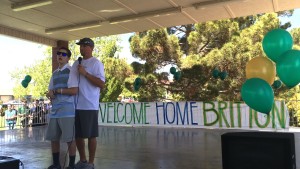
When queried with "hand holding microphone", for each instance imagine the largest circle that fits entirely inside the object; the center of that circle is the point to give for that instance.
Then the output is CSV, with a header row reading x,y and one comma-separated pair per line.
x,y
81,69
79,60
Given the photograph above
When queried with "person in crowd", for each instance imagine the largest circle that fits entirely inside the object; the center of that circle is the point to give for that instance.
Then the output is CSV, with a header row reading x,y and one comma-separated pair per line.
x,y
89,73
10,116
37,114
23,114
62,115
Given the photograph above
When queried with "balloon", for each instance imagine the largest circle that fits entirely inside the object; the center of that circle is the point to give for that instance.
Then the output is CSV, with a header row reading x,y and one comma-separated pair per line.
x,y
177,75
215,73
277,84
258,95
261,67
136,87
24,83
288,68
27,78
137,84
276,42
172,70
223,75
138,81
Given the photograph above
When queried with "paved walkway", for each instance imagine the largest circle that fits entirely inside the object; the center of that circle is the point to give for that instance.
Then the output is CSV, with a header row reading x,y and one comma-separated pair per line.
x,y
128,148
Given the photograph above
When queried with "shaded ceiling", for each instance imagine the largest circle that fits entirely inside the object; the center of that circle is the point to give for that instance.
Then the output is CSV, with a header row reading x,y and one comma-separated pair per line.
x,y
73,19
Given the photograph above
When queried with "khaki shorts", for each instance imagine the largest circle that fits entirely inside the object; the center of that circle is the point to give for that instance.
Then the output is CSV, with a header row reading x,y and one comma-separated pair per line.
x,y
61,129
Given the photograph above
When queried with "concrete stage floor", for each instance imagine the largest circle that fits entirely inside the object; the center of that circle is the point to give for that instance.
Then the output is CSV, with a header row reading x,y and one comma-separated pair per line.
x,y
129,148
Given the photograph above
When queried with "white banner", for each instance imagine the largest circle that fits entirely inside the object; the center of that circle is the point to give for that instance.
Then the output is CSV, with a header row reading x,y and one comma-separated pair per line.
x,y
221,115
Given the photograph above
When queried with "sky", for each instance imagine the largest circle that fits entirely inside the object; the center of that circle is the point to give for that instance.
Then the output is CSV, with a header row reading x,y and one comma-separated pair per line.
x,y
17,53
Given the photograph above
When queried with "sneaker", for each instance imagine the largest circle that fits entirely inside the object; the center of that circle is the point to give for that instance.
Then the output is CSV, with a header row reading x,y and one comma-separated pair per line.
x,y
81,165
54,167
89,166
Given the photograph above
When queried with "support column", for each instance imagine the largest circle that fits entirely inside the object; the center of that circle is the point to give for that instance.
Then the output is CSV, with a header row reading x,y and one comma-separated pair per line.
x,y
60,44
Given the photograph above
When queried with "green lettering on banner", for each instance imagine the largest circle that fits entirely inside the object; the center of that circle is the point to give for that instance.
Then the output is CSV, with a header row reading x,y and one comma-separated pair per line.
x,y
231,109
123,117
257,122
280,117
137,117
115,113
239,113
109,105
146,105
128,122
205,110
101,112
250,118
221,113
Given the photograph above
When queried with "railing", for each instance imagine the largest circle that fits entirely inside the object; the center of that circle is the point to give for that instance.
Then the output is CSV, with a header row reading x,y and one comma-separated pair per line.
x,y
34,116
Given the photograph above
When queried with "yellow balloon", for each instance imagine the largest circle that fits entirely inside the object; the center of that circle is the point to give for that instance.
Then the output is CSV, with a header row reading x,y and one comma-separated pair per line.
x,y
261,67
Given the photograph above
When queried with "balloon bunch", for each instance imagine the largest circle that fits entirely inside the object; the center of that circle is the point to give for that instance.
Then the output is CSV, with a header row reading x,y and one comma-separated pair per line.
x,y
277,45
137,84
217,74
261,71
26,81
177,74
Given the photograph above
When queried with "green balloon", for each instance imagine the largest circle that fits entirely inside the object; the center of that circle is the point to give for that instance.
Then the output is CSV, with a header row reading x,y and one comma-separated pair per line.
x,y
276,42
258,95
24,83
215,73
288,68
172,70
136,87
277,84
138,81
27,78
223,75
177,75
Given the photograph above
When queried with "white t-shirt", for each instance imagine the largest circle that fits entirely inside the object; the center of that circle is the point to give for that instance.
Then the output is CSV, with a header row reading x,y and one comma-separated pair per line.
x,y
88,94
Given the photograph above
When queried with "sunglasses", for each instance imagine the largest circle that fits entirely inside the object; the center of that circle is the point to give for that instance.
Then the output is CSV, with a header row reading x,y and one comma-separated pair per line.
x,y
62,54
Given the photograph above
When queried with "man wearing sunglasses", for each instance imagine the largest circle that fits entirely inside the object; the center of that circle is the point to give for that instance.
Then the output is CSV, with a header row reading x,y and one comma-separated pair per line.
x,y
91,79
62,115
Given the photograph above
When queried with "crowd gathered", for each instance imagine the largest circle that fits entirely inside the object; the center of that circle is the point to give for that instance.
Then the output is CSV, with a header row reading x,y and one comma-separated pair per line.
x,y
27,114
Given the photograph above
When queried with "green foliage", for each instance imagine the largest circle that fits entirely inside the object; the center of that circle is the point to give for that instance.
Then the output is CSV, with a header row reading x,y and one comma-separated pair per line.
x,y
225,44
296,37
156,48
137,67
116,71
112,91
211,35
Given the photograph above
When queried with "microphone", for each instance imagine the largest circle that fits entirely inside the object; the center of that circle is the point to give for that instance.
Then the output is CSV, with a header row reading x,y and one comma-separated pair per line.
x,y
79,60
